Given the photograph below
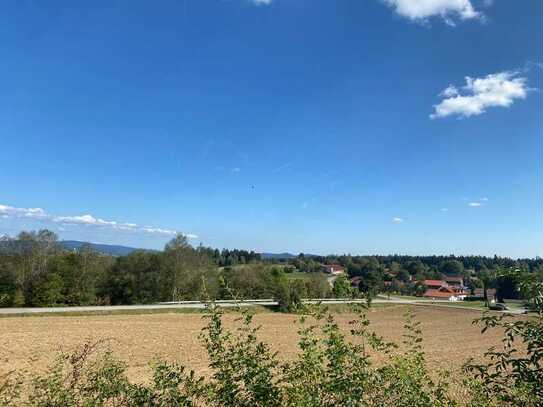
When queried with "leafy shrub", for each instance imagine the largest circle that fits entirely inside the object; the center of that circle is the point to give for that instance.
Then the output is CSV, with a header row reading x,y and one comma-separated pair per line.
x,y
333,368
85,377
513,374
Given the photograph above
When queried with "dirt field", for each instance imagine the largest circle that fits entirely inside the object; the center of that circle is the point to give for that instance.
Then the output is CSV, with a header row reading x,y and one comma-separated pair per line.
x,y
30,343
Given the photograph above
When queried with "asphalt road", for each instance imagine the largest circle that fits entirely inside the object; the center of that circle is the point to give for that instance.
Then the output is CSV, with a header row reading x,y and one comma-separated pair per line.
x,y
223,303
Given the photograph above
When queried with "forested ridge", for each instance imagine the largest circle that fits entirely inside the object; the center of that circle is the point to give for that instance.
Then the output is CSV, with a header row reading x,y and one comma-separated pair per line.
x,y
35,270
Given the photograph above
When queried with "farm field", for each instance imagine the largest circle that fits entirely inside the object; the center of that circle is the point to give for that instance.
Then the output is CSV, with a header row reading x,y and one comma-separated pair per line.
x,y
31,343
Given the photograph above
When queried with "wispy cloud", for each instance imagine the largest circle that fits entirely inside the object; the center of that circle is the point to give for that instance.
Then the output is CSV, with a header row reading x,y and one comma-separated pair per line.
x,y
397,220
476,203
7,211
494,90
531,64
422,10
444,209
261,2
236,170
31,213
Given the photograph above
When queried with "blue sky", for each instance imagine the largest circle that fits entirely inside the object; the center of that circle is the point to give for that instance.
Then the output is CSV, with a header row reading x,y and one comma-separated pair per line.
x,y
283,125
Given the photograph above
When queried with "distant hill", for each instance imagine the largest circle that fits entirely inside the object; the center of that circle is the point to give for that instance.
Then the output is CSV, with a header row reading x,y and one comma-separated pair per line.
x,y
117,250
282,256
277,256
112,250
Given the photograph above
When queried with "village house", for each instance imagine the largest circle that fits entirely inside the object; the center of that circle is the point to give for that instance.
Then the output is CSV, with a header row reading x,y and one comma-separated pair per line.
x,y
334,269
455,281
443,289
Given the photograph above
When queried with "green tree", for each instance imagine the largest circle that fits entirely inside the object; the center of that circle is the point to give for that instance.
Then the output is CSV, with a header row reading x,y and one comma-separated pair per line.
x,y
186,271
371,283
342,287
452,268
79,281
318,286
419,288
403,275
416,267
8,285
46,290
507,286
488,280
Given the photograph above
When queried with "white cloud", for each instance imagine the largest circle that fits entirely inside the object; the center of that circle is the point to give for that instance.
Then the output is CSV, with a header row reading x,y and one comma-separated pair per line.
x,y
159,231
444,209
397,220
450,91
475,204
261,2
494,90
33,213
422,10
84,220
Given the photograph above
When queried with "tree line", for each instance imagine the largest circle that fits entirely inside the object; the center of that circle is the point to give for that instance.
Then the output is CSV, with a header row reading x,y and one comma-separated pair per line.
x,y
405,274
36,271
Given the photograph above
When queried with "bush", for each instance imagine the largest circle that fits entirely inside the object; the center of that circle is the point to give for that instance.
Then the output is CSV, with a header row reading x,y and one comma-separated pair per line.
x,y
514,374
333,368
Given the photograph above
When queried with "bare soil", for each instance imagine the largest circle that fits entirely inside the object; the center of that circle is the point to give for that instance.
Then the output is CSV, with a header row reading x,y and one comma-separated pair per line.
x,y
31,343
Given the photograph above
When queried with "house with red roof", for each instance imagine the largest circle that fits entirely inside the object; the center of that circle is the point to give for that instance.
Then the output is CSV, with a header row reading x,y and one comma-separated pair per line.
x,y
334,269
455,280
434,284
441,289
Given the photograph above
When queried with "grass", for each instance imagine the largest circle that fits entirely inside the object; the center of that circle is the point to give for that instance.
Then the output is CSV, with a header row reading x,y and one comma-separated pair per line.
x,y
401,297
257,309
515,305
297,275
254,308
466,304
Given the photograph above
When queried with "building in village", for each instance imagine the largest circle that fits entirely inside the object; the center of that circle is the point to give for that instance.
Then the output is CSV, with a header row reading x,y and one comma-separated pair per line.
x,y
451,288
334,269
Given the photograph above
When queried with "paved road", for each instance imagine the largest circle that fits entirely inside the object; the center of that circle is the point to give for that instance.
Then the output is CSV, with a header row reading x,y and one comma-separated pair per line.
x,y
175,305
109,308
223,303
